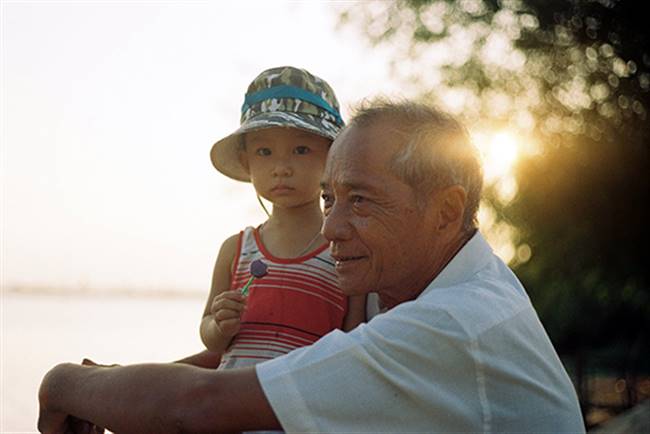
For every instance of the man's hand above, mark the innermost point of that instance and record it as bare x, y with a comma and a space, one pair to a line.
82, 427
227, 308
53, 421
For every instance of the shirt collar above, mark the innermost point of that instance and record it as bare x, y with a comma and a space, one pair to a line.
473, 256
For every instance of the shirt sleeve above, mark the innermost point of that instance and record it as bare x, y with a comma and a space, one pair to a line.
380, 377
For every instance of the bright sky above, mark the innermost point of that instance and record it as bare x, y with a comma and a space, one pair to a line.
109, 110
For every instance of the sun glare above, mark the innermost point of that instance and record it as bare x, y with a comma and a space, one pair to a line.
500, 153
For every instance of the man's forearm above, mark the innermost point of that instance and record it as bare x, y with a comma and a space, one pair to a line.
127, 399
157, 398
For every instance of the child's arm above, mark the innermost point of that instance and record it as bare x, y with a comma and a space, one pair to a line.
356, 312
223, 308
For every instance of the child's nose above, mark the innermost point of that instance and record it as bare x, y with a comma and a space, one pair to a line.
282, 169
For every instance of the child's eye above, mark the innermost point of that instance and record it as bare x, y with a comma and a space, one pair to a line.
301, 150
263, 152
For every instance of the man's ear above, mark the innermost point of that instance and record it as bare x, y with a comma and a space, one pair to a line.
451, 208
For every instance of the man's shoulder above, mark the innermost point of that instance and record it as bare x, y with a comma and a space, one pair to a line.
491, 296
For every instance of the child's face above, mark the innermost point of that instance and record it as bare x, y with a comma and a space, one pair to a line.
285, 164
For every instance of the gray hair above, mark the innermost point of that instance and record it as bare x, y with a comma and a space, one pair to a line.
437, 151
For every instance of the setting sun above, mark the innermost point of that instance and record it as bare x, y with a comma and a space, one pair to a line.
500, 152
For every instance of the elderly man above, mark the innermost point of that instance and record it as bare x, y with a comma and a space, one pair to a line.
458, 348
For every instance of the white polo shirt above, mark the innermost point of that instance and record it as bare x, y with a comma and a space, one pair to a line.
468, 355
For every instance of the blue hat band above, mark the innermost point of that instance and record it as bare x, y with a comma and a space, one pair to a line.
287, 91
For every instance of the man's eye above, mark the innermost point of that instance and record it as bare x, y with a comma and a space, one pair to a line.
328, 200
356, 199
301, 150
263, 152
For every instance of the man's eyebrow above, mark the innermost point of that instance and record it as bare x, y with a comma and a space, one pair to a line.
351, 185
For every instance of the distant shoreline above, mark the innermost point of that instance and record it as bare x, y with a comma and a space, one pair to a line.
87, 292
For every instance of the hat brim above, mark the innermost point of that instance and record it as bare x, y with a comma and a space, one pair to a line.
225, 152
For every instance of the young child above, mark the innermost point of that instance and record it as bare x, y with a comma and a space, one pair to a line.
288, 121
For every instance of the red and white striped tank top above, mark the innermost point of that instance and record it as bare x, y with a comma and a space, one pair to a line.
293, 305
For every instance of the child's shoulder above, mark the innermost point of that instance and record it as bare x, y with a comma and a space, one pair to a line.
230, 245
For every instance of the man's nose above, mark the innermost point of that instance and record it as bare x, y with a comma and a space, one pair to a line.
336, 225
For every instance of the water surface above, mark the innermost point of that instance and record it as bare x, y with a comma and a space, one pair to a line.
39, 331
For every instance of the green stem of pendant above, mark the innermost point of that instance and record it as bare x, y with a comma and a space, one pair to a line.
244, 290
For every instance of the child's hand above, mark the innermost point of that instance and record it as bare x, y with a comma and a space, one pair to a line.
227, 308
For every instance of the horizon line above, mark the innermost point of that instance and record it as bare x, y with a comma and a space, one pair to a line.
99, 292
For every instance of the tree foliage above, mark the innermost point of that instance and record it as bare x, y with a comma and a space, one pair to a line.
572, 76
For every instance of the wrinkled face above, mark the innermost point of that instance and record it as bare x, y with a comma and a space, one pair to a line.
285, 164
380, 238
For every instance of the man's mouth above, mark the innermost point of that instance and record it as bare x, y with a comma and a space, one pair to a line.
341, 261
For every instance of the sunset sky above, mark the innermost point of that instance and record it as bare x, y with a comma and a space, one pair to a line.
109, 112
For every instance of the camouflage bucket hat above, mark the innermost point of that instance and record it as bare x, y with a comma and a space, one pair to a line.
280, 97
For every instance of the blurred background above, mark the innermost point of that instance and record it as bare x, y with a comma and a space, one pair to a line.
112, 215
